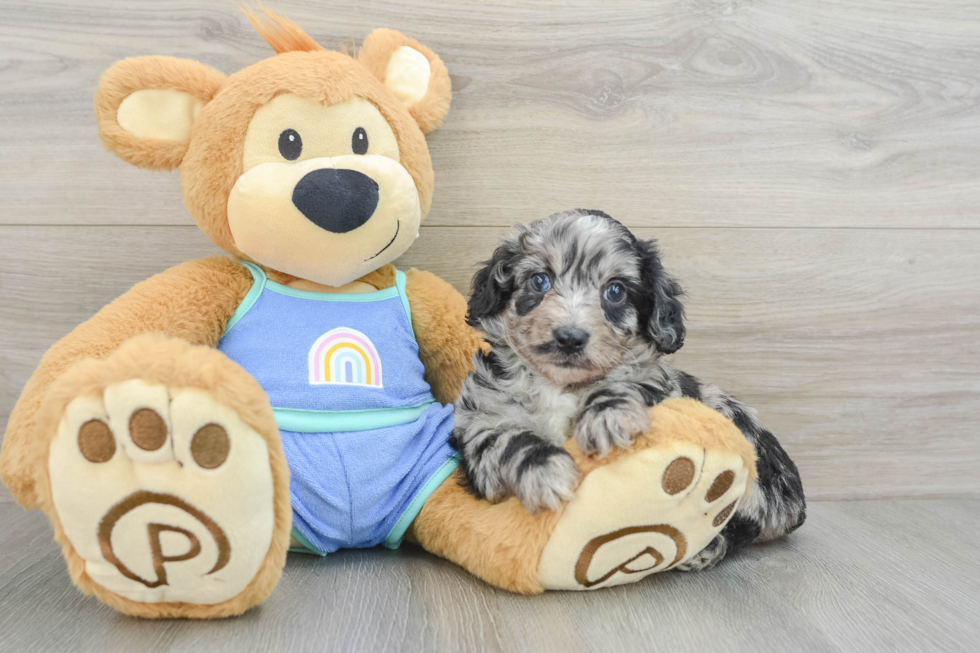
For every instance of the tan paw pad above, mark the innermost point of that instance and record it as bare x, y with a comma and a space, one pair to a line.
96, 442
139, 415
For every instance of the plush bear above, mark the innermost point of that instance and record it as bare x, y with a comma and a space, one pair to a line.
298, 393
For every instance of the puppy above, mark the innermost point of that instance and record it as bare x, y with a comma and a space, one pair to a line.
579, 315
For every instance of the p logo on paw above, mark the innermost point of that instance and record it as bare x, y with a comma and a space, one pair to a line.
646, 513
161, 512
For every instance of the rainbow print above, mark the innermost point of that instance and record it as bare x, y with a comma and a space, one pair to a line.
345, 356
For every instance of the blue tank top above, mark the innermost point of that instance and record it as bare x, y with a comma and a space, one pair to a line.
320, 356
343, 375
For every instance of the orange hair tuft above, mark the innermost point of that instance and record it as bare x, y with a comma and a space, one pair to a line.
281, 33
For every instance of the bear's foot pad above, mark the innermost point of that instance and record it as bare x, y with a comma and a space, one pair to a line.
164, 493
643, 514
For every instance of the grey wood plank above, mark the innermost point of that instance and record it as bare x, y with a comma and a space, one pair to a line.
859, 347
860, 576
685, 113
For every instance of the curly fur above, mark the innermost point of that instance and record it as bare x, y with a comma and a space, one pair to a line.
533, 391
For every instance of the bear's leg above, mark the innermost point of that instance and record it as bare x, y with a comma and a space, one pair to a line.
162, 472
636, 512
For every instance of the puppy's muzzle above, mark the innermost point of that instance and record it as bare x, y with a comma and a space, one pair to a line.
336, 199
570, 340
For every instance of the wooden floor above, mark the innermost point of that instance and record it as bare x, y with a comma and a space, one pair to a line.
810, 168
864, 576
812, 171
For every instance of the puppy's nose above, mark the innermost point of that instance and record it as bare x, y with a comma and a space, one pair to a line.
336, 199
570, 340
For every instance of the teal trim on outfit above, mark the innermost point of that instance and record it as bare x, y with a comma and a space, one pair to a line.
262, 282
372, 296
319, 421
306, 546
397, 533
259, 282
400, 283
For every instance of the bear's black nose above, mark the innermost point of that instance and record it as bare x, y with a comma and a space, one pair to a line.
338, 200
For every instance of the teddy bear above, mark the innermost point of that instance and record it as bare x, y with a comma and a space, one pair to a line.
298, 392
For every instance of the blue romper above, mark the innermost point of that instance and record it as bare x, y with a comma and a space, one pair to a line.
365, 440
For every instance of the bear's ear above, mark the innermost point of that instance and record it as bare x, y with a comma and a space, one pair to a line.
412, 72
146, 106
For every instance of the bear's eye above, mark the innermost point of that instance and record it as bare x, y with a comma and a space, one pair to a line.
290, 145
359, 141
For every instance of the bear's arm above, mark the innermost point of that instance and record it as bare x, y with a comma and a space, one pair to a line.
192, 301
446, 342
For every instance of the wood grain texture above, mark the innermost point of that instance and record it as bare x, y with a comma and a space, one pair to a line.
860, 576
859, 347
686, 113
811, 171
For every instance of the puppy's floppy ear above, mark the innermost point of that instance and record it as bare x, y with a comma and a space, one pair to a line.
662, 312
412, 72
146, 106
494, 283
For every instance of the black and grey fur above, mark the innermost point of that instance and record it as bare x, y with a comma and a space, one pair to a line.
579, 314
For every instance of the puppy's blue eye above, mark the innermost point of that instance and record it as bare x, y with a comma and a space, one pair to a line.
615, 293
541, 282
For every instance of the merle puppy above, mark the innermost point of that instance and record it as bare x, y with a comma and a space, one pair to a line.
579, 315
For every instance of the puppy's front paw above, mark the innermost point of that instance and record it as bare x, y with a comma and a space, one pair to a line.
544, 484
603, 425
708, 557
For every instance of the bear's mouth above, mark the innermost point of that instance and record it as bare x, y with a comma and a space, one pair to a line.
398, 225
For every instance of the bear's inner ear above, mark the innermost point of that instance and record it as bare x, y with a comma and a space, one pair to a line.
412, 72
407, 75
146, 108
163, 114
